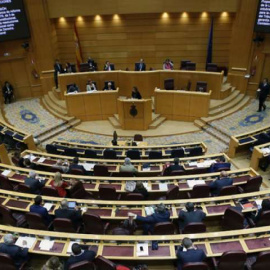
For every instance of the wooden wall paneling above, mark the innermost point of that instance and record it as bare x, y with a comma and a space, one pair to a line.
199, 105
92, 105
75, 105
164, 104
108, 103
181, 105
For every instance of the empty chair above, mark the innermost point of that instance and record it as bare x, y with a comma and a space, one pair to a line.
173, 193
138, 138
84, 265
191, 66
108, 193
104, 264
7, 263
196, 151
169, 84
252, 185
264, 219
78, 191
52, 149
101, 170
183, 64
177, 173
233, 260
163, 228
5, 183
49, 191
199, 191
201, 86
262, 262
229, 190
64, 225
12, 219
211, 67
24, 188
88, 153
155, 155
35, 221
71, 152
194, 227
196, 266
134, 154
109, 154
93, 224
134, 197
232, 220
177, 153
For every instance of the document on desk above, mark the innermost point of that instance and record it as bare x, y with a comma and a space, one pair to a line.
46, 245
48, 206
146, 169
149, 210
192, 183
146, 185
31, 157
88, 166
163, 187
193, 164
142, 249
6, 172
29, 241
41, 160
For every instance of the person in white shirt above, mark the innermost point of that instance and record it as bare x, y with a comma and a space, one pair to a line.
90, 86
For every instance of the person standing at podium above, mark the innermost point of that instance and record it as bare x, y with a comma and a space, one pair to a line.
135, 93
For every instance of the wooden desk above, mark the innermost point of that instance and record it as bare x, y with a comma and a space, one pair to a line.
258, 154
182, 105
97, 105
135, 114
146, 81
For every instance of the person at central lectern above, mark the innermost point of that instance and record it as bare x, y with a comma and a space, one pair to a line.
135, 93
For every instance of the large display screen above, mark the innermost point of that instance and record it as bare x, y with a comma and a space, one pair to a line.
13, 21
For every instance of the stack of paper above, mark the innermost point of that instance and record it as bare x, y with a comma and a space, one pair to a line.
46, 245
146, 185
41, 160
149, 210
6, 172
88, 166
142, 249
201, 165
48, 206
192, 183
29, 241
163, 187
192, 164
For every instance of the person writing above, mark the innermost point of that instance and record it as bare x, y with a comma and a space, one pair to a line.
263, 91
90, 86
135, 93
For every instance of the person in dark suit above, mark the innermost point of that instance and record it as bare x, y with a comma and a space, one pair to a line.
218, 184
39, 209
141, 189
75, 165
75, 215
92, 64
109, 86
220, 164
135, 93
35, 184
263, 91
187, 253
161, 215
189, 215
18, 255
108, 66
28, 164
140, 66
79, 255
7, 92
73, 88
176, 166
57, 69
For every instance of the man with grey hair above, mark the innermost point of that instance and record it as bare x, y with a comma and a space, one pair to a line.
35, 184
218, 184
18, 255
161, 215
74, 215
187, 253
128, 167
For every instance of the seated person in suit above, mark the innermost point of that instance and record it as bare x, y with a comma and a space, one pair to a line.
59, 185
79, 255
265, 207
28, 164
109, 86
189, 215
218, 184
108, 66
92, 64
7, 92
35, 184
75, 215
39, 209
128, 167
176, 166
141, 189
73, 88
135, 93
220, 163
90, 86
18, 160
140, 66
63, 166
187, 253
75, 165
168, 64
53, 264
161, 215
18, 255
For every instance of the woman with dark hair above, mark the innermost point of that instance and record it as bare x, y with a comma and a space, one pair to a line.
7, 92
135, 93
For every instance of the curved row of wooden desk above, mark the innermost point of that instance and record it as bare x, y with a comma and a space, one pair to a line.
259, 152
121, 150
145, 167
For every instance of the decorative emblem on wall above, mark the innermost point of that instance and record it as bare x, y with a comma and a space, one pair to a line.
133, 110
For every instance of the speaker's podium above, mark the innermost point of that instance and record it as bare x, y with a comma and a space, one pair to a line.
135, 114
